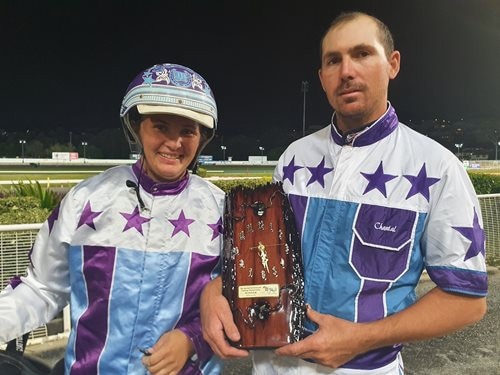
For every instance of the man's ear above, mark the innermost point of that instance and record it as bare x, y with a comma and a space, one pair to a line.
394, 63
321, 79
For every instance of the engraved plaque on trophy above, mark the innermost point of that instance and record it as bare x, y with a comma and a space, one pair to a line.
262, 269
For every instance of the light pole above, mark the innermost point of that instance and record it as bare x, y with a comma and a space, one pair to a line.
223, 148
261, 154
458, 146
305, 88
84, 144
22, 142
496, 150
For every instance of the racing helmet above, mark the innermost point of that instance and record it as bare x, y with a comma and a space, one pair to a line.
169, 88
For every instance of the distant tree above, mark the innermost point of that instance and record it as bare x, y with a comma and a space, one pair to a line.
111, 143
9, 150
60, 147
93, 152
35, 149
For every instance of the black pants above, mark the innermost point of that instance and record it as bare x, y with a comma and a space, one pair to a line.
14, 362
58, 368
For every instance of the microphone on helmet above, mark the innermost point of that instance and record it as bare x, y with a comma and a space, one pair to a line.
131, 184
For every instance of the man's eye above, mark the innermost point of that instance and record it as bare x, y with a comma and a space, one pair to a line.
363, 53
333, 61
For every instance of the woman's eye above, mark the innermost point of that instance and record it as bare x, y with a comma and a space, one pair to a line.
188, 132
160, 127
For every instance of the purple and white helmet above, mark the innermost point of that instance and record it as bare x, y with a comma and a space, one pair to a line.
169, 88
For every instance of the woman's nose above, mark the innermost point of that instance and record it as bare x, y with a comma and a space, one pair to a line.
172, 140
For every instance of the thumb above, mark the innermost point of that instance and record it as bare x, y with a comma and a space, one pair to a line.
231, 331
228, 325
313, 315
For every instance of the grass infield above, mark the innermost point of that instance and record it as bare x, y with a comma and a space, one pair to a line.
76, 172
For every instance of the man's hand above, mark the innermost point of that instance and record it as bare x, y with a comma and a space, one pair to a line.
217, 322
169, 354
334, 343
337, 341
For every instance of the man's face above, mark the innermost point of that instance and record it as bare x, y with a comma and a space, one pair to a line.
355, 72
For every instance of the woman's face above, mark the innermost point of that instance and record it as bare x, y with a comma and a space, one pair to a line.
169, 144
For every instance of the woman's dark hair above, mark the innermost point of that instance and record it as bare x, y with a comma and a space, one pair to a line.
135, 119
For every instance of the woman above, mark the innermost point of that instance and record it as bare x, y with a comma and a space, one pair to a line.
131, 248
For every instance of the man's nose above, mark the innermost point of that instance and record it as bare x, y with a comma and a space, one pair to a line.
346, 68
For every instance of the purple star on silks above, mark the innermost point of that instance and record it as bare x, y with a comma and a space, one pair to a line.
181, 224
318, 173
420, 183
377, 180
475, 234
217, 228
134, 220
289, 170
88, 216
54, 215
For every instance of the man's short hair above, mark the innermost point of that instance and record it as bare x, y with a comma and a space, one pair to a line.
384, 34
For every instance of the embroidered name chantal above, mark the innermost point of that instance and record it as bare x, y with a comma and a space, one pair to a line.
386, 228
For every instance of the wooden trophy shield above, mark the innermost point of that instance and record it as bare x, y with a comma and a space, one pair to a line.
262, 269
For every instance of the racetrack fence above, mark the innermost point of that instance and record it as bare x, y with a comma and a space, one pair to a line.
16, 242
490, 209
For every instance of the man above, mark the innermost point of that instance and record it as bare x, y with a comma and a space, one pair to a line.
376, 203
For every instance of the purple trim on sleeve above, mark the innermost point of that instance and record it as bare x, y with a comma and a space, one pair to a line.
92, 327
202, 349
469, 282
201, 268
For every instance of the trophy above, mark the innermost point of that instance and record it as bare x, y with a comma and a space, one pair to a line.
262, 271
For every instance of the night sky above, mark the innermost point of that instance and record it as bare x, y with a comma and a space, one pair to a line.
67, 63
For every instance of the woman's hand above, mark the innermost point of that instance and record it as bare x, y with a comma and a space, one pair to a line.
169, 354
